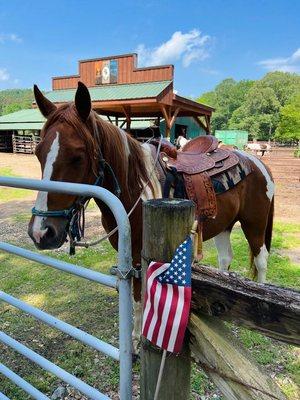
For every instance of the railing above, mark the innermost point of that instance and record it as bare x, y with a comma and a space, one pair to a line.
122, 283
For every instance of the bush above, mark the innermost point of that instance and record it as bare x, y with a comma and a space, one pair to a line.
297, 153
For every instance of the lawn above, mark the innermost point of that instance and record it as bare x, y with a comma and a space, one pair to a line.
94, 308
9, 194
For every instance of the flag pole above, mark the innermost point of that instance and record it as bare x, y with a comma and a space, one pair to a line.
161, 370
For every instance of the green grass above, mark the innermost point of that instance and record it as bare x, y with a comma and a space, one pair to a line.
94, 309
10, 194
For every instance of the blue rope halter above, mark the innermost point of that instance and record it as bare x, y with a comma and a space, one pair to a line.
75, 214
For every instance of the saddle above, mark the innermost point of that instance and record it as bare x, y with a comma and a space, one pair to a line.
198, 161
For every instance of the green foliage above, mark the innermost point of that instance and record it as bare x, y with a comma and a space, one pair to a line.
226, 98
15, 99
289, 121
259, 112
255, 106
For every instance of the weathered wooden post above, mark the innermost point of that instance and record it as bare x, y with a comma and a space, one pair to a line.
165, 225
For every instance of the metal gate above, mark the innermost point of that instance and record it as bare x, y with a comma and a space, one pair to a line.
122, 283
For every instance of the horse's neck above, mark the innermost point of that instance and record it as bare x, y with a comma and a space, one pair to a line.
150, 189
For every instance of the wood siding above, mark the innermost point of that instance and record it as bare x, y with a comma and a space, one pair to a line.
127, 73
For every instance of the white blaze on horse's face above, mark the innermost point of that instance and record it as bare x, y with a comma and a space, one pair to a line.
42, 197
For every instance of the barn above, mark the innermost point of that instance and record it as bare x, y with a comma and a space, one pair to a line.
140, 100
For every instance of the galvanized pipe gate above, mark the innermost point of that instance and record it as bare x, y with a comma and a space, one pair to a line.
122, 283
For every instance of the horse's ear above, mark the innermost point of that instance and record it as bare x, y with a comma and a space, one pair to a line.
45, 106
83, 101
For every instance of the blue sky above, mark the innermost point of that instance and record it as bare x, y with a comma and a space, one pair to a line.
207, 41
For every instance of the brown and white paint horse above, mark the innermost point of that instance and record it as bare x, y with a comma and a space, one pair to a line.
73, 138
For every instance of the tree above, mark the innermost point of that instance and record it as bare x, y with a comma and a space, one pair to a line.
289, 121
284, 84
252, 105
14, 99
12, 107
258, 114
226, 98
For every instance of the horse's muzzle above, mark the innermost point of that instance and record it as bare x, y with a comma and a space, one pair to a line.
51, 234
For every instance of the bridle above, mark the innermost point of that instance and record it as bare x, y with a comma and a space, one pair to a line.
75, 214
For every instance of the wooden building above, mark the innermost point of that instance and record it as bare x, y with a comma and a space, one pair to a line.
20, 131
140, 100
122, 91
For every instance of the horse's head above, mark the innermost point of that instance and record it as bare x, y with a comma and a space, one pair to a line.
66, 153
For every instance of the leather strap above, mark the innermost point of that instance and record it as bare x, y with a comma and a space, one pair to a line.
200, 189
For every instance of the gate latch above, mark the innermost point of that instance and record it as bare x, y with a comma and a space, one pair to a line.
132, 273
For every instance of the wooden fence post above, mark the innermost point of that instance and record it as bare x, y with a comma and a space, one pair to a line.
165, 225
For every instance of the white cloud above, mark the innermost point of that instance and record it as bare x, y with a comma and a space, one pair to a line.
284, 64
187, 47
4, 75
10, 37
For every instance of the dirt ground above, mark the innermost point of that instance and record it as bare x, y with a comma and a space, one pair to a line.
285, 169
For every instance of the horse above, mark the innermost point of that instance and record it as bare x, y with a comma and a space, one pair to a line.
78, 146
259, 148
181, 141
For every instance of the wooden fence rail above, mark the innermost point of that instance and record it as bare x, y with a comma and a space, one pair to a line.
269, 309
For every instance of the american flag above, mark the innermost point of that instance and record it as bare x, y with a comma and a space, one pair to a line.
168, 298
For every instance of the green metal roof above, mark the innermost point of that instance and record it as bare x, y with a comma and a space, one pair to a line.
30, 119
113, 92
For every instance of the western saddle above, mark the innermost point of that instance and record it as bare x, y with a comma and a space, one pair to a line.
198, 161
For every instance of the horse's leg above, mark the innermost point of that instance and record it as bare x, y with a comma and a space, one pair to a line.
137, 325
255, 235
223, 245
137, 310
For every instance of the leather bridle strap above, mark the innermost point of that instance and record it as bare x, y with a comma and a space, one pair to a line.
75, 214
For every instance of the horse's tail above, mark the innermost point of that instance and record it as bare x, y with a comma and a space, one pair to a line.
269, 228
268, 239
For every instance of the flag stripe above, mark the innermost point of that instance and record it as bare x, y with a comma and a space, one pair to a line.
151, 309
154, 270
165, 315
156, 296
177, 318
170, 318
160, 310
184, 319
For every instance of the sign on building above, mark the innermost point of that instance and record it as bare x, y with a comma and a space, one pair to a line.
106, 72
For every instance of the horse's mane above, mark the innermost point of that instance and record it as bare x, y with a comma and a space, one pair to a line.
100, 135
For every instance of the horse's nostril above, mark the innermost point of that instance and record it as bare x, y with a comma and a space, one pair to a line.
50, 232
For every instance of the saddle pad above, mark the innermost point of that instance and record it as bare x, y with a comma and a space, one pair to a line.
229, 179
